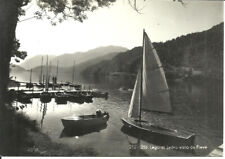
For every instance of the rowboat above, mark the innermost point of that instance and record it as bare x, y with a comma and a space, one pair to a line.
85, 121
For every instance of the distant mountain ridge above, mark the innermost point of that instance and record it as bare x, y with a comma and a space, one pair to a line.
200, 51
16, 68
35, 61
107, 52
67, 60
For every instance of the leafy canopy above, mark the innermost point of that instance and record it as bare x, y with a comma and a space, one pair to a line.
16, 53
60, 10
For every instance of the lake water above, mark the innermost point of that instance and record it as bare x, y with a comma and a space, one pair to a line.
198, 108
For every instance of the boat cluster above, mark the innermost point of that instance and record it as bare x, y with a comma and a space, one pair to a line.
61, 96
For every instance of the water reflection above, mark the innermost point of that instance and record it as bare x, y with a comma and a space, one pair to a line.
44, 105
161, 142
135, 148
80, 132
198, 108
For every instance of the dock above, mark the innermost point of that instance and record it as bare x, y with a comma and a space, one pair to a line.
61, 95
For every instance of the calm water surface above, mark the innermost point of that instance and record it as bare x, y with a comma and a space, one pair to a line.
197, 108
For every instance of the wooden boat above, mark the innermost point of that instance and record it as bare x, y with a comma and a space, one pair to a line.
75, 97
29, 85
23, 97
61, 98
87, 95
151, 93
40, 85
85, 121
45, 97
75, 86
98, 94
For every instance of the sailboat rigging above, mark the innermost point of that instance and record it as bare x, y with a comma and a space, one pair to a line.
73, 71
151, 93
40, 79
47, 76
45, 97
30, 84
57, 71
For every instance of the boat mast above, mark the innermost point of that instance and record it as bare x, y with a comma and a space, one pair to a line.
40, 81
31, 76
141, 89
73, 73
57, 69
46, 82
74, 70
56, 78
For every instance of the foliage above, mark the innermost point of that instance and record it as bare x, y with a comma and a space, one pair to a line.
201, 51
16, 53
60, 10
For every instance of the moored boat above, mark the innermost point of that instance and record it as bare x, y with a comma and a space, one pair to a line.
61, 98
45, 97
87, 96
75, 97
98, 94
23, 98
85, 121
29, 85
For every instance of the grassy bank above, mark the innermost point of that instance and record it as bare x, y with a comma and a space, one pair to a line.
21, 136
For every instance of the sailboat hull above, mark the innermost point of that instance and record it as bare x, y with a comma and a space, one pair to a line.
171, 136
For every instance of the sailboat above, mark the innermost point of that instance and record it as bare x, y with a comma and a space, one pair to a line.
45, 97
30, 84
41, 83
151, 93
75, 86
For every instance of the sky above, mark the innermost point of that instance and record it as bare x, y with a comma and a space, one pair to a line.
118, 25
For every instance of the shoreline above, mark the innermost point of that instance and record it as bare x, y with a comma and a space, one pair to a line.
21, 136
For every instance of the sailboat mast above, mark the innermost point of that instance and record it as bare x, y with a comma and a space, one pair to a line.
50, 69
57, 69
74, 70
141, 87
46, 82
40, 81
73, 73
31, 76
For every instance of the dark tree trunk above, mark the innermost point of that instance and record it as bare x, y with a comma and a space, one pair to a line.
8, 22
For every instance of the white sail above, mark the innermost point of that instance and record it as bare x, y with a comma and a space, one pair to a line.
134, 109
155, 92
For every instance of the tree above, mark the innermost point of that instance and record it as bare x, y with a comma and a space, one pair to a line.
55, 10
18, 55
58, 10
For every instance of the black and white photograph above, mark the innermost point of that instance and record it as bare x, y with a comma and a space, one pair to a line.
111, 78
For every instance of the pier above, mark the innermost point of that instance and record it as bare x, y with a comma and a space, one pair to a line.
65, 92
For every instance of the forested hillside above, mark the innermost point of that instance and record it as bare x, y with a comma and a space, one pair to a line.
201, 51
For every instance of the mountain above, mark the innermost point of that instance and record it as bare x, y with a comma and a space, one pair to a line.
124, 62
101, 53
16, 68
202, 51
67, 60
35, 61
